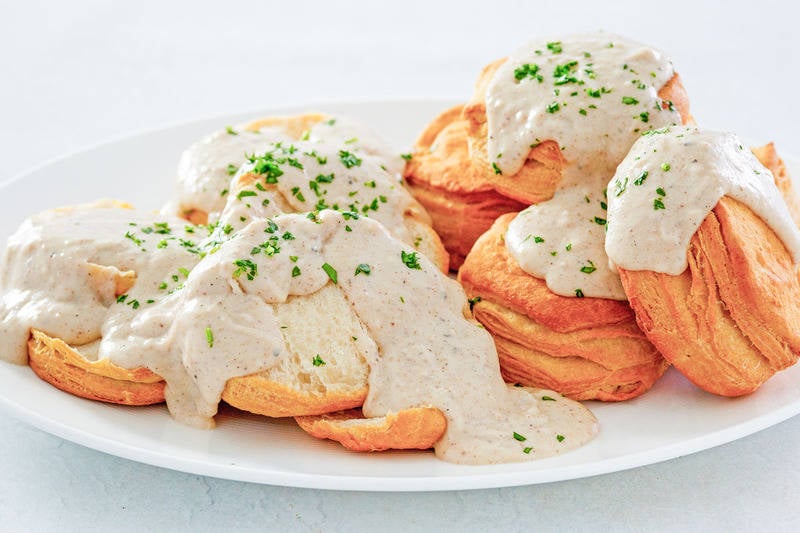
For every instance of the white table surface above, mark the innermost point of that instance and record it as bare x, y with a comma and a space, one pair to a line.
73, 74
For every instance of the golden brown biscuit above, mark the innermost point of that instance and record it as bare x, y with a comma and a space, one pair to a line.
454, 190
66, 368
583, 348
732, 318
770, 159
539, 177
410, 429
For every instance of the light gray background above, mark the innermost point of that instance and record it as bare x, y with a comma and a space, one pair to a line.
72, 74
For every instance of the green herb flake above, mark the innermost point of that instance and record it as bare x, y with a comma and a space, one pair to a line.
527, 450
560, 438
519, 437
210, 337
666, 167
658, 204
538, 239
232, 169
407, 157
348, 159
578, 293
363, 268
661, 192
528, 70
295, 271
553, 107
230, 131
641, 178
245, 266
318, 361
588, 269
600, 221
473, 301
331, 272
548, 399
629, 100
496, 168
410, 260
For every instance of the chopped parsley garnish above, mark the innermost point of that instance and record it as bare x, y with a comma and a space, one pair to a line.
318, 361
410, 260
555, 47
210, 337
658, 204
331, 272
661, 192
641, 178
295, 271
644, 116
133, 238
496, 168
528, 70
578, 293
563, 74
223, 192
230, 131
665, 167
407, 157
568, 247
268, 166
629, 100
588, 269
363, 268
232, 169
620, 186
519, 437
527, 450
560, 438
162, 286
348, 159
297, 194
553, 107
538, 239
600, 221
245, 194
473, 301
245, 266
548, 399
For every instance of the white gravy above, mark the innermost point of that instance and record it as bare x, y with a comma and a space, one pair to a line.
307, 176
206, 167
594, 94
667, 185
219, 322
